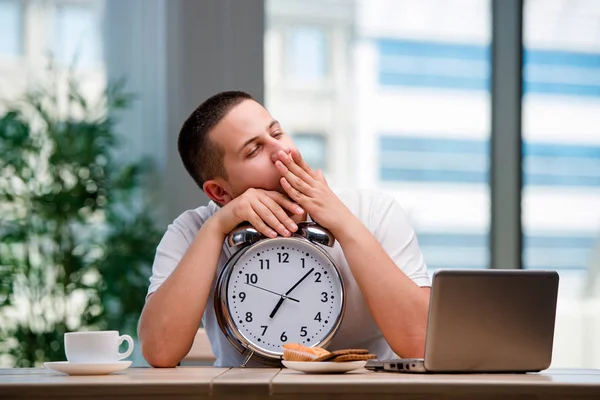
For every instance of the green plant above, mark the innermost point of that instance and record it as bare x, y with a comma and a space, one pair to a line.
76, 238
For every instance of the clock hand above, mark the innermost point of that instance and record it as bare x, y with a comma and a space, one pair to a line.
280, 302
270, 291
300, 281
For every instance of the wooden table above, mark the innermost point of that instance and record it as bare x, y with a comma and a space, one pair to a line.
232, 383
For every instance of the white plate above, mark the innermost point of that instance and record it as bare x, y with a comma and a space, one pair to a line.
324, 367
87, 368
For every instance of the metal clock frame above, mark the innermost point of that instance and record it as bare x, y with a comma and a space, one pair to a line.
246, 235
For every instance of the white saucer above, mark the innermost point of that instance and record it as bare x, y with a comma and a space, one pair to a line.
324, 367
87, 368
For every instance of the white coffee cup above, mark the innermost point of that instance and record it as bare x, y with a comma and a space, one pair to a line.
96, 347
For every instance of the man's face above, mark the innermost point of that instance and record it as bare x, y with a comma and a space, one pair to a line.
250, 137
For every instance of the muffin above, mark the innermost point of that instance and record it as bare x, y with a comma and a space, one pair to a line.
299, 352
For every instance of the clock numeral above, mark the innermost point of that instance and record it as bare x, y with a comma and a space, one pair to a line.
318, 317
302, 259
242, 296
264, 328
251, 278
318, 274
248, 317
303, 331
283, 257
325, 297
283, 337
264, 263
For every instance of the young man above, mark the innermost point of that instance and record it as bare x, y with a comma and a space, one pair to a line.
251, 170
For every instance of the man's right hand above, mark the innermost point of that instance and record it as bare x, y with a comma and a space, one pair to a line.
264, 209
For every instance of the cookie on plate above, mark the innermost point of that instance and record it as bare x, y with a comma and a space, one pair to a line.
341, 352
354, 357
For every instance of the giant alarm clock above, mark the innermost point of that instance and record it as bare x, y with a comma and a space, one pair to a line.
279, 290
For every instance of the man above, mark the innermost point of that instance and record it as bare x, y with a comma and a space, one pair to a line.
250, 169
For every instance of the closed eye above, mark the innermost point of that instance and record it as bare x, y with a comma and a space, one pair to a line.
253, 152
256, 149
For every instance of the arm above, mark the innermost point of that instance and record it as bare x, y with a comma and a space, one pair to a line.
398, 305
166, 328
172, 314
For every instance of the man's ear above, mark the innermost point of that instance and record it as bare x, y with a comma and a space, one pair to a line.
217, 191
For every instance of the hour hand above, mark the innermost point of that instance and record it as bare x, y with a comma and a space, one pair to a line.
279, 303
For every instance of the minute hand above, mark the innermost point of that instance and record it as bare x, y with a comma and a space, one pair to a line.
270, 291
280, 302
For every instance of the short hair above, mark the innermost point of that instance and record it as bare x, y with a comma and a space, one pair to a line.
202, 158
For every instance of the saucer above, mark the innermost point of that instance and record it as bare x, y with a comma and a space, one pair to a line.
87, 368
324, 367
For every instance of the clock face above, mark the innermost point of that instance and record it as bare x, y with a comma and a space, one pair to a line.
284, 290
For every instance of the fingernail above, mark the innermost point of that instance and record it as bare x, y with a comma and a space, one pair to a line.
273, 234
294, 226
299, 210
286, 232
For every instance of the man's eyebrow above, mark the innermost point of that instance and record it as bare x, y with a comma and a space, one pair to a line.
272, 124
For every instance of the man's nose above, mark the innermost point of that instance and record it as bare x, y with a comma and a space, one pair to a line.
276, 148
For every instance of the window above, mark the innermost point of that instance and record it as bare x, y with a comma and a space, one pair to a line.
423, 94
408, 110
561, 163
11, 32
307, 54
78, 37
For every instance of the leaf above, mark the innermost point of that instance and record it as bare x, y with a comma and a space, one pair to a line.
73, 221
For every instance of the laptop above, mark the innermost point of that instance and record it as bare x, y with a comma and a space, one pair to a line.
488, 320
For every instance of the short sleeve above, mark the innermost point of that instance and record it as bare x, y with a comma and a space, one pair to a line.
172, 247
391, 227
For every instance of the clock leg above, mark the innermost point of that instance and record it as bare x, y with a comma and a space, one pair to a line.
248, 357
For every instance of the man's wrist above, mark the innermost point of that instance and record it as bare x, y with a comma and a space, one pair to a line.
213, 225
347, 226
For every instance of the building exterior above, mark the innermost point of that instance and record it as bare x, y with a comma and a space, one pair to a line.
418, 125
37, 33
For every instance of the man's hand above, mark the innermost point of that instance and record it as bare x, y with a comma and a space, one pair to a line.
311, 191
264, 209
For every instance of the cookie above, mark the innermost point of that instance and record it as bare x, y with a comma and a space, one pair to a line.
354, 357
341, 352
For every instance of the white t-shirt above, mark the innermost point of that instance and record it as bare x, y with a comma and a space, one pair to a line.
380, 213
